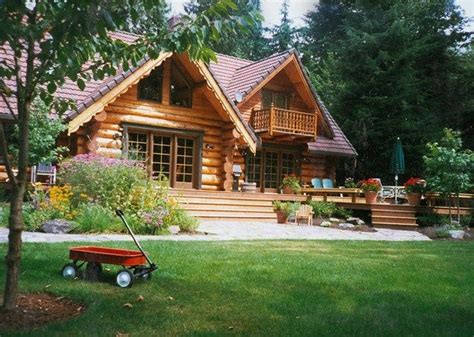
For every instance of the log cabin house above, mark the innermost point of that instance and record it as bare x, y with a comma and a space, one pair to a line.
194, 122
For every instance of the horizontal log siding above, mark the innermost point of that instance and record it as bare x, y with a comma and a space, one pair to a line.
201, 117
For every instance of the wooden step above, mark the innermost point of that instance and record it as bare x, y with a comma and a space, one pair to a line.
232, 215
393, 207
228, 208
395, 225
395, 220
206, 201
394, 213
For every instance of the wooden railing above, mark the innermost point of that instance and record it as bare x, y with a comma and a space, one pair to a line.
280, 121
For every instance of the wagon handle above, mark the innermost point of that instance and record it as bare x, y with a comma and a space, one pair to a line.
121, 215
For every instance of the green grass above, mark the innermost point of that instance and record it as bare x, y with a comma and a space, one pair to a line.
271, 288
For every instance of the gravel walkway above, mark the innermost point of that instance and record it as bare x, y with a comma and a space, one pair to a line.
229, 230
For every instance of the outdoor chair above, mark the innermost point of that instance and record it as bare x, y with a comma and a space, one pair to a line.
44, 170
304, 212
317, 183
328, 183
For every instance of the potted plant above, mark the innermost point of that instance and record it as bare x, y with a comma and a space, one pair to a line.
282, 210
350, 183
290, 184
370, 187
414, 187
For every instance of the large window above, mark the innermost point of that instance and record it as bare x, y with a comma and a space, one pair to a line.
269, 166
174, 156
279, 99
151, 87
181, 91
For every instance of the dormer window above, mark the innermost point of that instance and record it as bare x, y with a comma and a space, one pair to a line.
181, 90
279, 99
151, 87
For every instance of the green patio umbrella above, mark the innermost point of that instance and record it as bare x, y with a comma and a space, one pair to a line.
397, 163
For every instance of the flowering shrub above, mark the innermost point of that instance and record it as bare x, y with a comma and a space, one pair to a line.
415, 185
111, 182
153, 220
370, 185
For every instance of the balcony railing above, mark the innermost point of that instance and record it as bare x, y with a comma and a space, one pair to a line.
280, 121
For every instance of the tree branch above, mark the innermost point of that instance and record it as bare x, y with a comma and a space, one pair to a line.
4, 154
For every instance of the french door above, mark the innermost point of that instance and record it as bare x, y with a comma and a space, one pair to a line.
268, 168
170, 155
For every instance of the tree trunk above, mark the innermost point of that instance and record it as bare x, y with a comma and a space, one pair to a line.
15, 223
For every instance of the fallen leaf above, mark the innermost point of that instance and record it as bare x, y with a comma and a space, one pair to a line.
230, 328
47, 286
128, 305
119, 334
108, 269
140, 298
170, 298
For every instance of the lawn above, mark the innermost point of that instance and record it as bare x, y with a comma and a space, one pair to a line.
271, 288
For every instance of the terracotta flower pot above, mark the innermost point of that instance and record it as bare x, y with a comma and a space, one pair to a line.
370, 197
287, 190
414, 198
281, 217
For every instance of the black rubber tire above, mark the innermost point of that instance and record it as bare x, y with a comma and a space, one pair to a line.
67, 273
124, 278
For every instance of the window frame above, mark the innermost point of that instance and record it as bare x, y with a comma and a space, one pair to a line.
141, 82
174, 66
197, 136
273, 95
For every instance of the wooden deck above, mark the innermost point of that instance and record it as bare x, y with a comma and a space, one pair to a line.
238, 206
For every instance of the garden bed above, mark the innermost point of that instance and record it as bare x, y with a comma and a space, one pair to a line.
36, 310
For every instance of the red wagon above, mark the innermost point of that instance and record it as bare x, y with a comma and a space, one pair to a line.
134, 262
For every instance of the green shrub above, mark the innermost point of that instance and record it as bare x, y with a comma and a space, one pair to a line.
94, 218
322, 209
179, 217
4, 214
429, 220
33, 218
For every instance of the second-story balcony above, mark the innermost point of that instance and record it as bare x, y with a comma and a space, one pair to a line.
275, 121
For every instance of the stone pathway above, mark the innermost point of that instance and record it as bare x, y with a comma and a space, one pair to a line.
231, 230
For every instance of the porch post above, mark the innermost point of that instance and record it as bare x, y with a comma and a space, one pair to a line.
270, 120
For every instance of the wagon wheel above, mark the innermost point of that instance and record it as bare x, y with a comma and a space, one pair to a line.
93, 271
69, 271
140, 270
124, 278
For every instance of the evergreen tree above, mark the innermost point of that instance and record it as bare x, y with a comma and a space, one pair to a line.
284, 35
389, 69
250, 44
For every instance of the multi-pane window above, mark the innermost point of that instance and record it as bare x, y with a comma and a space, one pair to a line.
288, 161
254, 165
184, 160
138, 146
271, 170
165, 154
268, 167
161, 156
151, 87
181, 91
280, 100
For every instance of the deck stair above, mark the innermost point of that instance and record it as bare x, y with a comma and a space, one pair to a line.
235, 206
393, 216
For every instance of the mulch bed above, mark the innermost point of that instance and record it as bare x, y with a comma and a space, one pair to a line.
36, 310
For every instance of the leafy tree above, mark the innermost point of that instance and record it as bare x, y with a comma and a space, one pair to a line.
449, 168
53, 40
44, 132
283, 35
148, 20
250, 44
388, 69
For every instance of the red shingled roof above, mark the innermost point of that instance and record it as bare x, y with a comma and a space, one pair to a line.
232, 74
